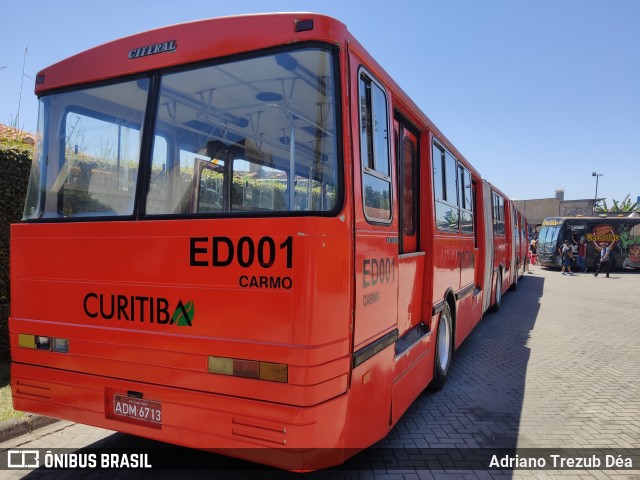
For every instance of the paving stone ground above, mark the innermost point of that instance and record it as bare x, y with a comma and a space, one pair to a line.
558, 367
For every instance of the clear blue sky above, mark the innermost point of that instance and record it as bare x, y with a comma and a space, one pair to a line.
536, 94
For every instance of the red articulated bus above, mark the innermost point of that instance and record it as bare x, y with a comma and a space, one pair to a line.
519, 245
241, 235
510, 243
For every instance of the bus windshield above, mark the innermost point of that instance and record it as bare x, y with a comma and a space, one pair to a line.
548, 239
256, 135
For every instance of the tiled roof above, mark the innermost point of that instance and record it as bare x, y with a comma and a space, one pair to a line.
13, 133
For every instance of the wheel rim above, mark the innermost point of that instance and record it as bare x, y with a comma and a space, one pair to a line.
499, 289
444, 338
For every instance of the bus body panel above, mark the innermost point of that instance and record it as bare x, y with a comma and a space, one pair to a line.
146, 276
185, 43
367, 420
446, 265
416, 367
376, 288
410, 290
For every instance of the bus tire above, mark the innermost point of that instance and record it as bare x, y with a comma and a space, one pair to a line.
514, 285
498, 301
444, 350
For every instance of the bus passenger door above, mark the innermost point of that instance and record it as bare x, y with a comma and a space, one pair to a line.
410, 259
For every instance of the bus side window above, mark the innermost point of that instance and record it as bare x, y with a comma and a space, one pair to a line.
466, 200
374, 147
498, 215
445, 185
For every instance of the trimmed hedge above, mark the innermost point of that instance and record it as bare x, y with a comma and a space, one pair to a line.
15, 165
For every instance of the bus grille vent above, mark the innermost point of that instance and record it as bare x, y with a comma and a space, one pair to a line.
258, 432
28, 389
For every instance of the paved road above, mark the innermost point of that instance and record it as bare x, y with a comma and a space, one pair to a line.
557, 367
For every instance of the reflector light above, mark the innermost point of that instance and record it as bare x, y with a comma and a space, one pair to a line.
246, 368
221, 365
39, 342
60, 345
276, 372
304, 25
237, 367
26, 341
43, 343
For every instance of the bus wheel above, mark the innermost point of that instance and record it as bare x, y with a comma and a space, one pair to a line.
496, 306
514, 285
444, 349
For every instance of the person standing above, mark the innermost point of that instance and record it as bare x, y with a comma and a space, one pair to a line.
567, 255
582, 253
532, 254
605, 260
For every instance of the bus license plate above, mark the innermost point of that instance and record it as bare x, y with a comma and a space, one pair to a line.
137, 409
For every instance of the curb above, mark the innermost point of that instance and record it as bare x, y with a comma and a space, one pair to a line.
16, 427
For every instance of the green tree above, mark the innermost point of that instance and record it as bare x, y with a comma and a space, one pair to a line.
15, 164
624, 206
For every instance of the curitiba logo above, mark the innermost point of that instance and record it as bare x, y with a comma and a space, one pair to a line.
183, 314
138, 308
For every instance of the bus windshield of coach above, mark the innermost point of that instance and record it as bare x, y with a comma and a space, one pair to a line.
250, 136
548, 239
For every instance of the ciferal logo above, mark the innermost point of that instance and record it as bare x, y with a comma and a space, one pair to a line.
162, 47
138, 308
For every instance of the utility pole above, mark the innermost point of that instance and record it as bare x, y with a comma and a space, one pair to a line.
24, 62
595, 199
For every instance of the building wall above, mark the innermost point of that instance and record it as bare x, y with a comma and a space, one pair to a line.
537, 210
572, 208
